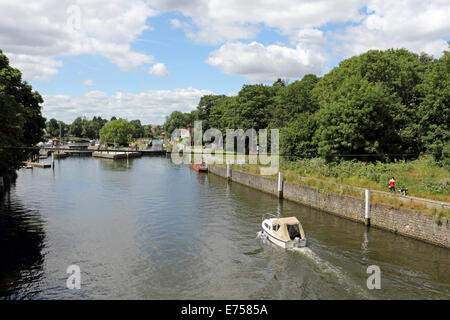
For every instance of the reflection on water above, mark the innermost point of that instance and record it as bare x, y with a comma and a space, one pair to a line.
22, 250
148, 229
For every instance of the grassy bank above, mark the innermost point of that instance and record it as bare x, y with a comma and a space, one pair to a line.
423, 177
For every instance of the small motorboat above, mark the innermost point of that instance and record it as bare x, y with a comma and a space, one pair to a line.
284, 232
199, 167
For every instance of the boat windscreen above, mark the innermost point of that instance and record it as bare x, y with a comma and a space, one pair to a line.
293, 231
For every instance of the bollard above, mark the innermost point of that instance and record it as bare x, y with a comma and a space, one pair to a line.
367, 211
228, 171
280, 185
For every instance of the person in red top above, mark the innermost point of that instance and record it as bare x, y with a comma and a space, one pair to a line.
392, 185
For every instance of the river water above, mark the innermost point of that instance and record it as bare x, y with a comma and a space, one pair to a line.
149, 229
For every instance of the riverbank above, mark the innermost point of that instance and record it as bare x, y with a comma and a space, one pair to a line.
434, 229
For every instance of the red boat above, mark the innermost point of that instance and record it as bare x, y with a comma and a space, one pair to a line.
198, 167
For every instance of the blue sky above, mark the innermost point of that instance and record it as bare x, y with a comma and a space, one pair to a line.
184, 59
145, 59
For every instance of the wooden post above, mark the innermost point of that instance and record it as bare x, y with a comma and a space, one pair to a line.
280, 185
228, 171
2, 184
53, 160
367, 211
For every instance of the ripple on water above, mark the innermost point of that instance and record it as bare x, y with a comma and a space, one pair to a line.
148, 229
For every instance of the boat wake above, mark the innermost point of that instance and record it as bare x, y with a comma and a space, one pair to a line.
327, 267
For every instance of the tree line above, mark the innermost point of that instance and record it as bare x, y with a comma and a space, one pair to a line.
378, 105
92, 129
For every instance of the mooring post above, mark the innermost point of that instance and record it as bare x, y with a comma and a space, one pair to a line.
53, 160
228, 171
2, 185
280, 185
367, 211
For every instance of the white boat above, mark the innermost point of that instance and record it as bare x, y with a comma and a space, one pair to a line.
284, 232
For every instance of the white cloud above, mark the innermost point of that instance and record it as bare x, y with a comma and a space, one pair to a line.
34, 33
159, 69
419, 26
318, 31
150, 106
88, 83
215, 21
260, 63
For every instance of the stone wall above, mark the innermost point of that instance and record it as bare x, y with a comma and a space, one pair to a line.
403, 221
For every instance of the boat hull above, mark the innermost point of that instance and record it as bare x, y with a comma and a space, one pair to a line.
198, 168
281, 243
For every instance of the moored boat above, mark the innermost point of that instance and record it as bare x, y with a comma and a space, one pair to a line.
198, 167
284, 232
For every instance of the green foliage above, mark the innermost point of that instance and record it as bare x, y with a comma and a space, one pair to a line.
423, 177
356, 120
382, 85
138, 131
52, 127
446, 156
204, 108
20, 116
294, 99
178, 120
76, 128
434, 109
296, 137
83, 128
125, 131
381, 105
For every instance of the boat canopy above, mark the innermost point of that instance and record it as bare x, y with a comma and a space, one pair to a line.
287, 229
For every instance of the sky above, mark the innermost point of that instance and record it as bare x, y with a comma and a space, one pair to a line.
140, 59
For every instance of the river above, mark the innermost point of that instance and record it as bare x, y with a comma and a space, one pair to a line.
149, 229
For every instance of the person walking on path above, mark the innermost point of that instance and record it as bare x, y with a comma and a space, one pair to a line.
392, 185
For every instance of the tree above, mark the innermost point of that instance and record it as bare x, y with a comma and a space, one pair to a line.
138, 129
76, 128
64, 127
293, 100
395, 74
177, 120
204, 107
124, 132
434, 109
356, 121
254, 103
52, 127
90, 129
296, 138
20, 116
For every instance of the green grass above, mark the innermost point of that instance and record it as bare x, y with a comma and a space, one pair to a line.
424, 178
